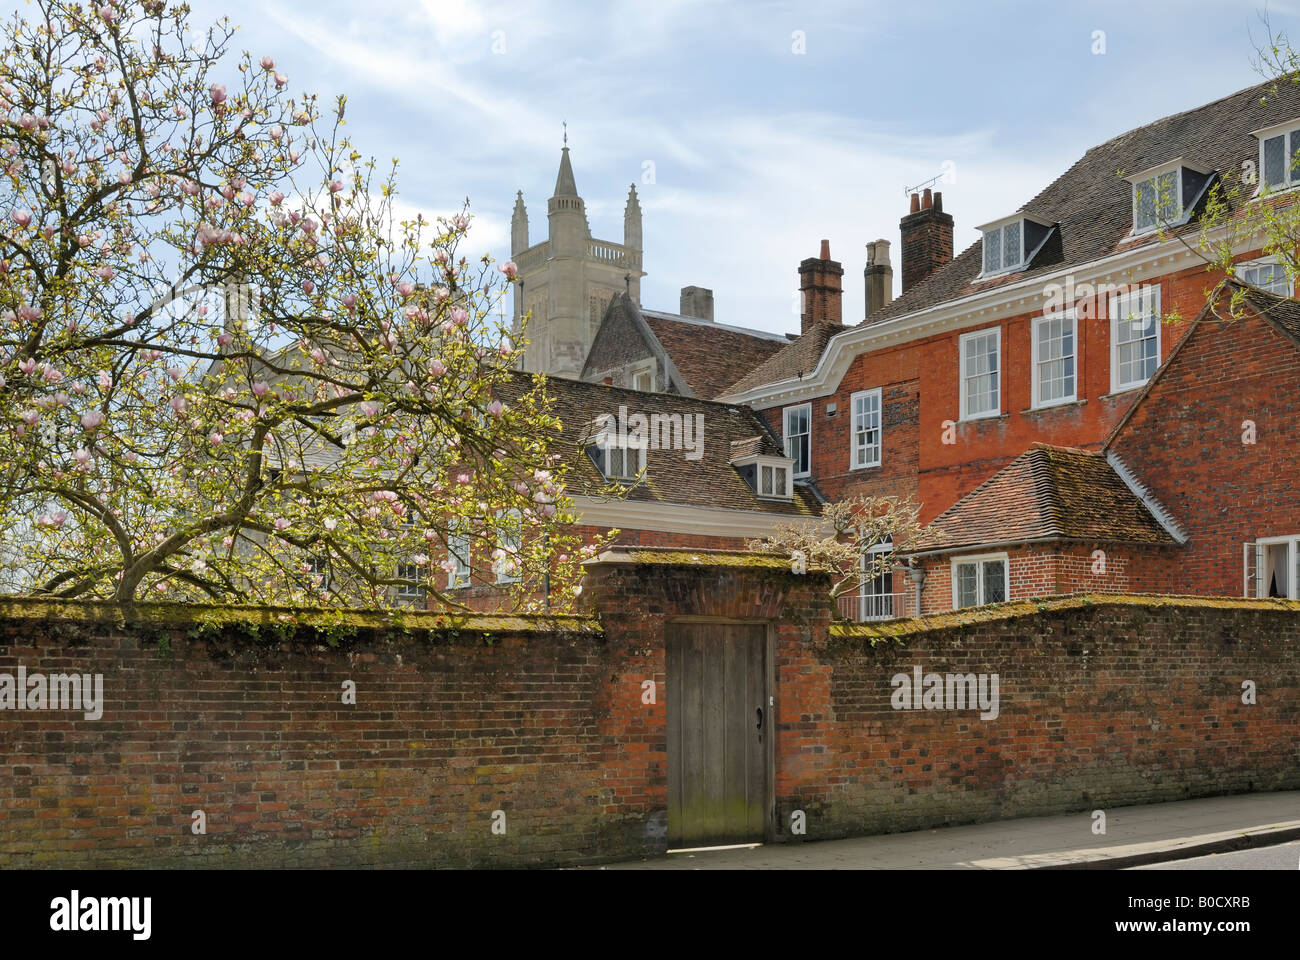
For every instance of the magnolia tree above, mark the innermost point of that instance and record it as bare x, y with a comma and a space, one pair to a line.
843, 541
225, 370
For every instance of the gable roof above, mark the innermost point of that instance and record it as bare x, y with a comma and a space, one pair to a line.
1047, 493
1091, 203
798, 357
671, 476
702, 357
1283, 313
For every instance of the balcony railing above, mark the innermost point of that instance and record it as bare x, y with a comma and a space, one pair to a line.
870, 607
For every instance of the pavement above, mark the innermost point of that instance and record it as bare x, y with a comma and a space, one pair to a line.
1134, 836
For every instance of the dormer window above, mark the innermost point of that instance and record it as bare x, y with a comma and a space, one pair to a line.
767, 476
617, 454
1279, 165
1010, 243
1165, 196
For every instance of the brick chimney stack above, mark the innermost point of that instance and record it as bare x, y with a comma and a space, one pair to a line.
879, 276
927, 238
821, 282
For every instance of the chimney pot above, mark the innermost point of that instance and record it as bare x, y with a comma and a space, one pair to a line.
822, 287
916, 203
878, 276
927, 239
609, 381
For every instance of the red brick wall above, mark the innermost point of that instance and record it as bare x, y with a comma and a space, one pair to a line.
921, 384
1185, 444
1101, 703
1044, 570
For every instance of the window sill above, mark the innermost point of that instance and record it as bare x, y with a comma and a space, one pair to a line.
982, 417
1033, 411
1124, 391
864, 466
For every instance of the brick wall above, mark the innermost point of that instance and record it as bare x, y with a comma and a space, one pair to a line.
1102, 701
1185, 443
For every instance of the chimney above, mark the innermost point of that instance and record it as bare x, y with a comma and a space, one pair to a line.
927, 238
879, 276
697, 302
821, 283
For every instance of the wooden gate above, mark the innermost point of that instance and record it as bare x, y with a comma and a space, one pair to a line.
718, 733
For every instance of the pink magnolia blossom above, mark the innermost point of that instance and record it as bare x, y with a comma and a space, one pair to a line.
81, 455
104, 273
52, 374
224, 339
276, 198
107, 14
215, 438
27, 366
261, 389
349, 300
308, 287
267, 63
436, 369
505, 348
405, 289
509, 269
336, 186
460, 222
218, 93
281, 79
281, 523
459, 317
27, 121
318, 355
330, 523
496, 408
91, 420
105, 380
30, 417
21, 217
189, 188
178, 405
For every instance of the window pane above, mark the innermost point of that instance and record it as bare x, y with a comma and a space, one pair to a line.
995, 585
992, 250
766, 487
980, 362
1011, 244
1275, 161
1168, 204
967, 585
866, 430
1145, 216
1293, 171
1055, 370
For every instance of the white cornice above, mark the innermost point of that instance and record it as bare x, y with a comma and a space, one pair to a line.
1011, 299
680, 518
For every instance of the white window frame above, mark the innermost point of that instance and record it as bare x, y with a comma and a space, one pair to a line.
1118, 307
857, 447
1003, 266
1262, 262
1292, 543
497, 567
872, 605
1288, 130
459, 550
405, 591
1159, 222
629, 451
787, 469
980, 559
787, 436
1037, 402
646, 369
965, 338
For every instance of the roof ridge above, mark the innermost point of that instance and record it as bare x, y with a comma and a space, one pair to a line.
713, 325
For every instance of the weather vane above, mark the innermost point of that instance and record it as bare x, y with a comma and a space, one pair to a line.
565, 125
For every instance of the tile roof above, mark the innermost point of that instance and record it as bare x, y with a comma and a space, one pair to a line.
1047, 493
1093, 203
710, 356
671, 478
795, 359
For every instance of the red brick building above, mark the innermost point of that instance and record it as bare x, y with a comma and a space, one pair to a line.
1048, 331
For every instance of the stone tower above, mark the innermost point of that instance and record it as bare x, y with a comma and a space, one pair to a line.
566, 281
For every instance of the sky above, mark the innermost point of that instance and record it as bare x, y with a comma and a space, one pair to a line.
751, 130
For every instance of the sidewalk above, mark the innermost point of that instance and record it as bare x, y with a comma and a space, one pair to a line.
1134, 835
